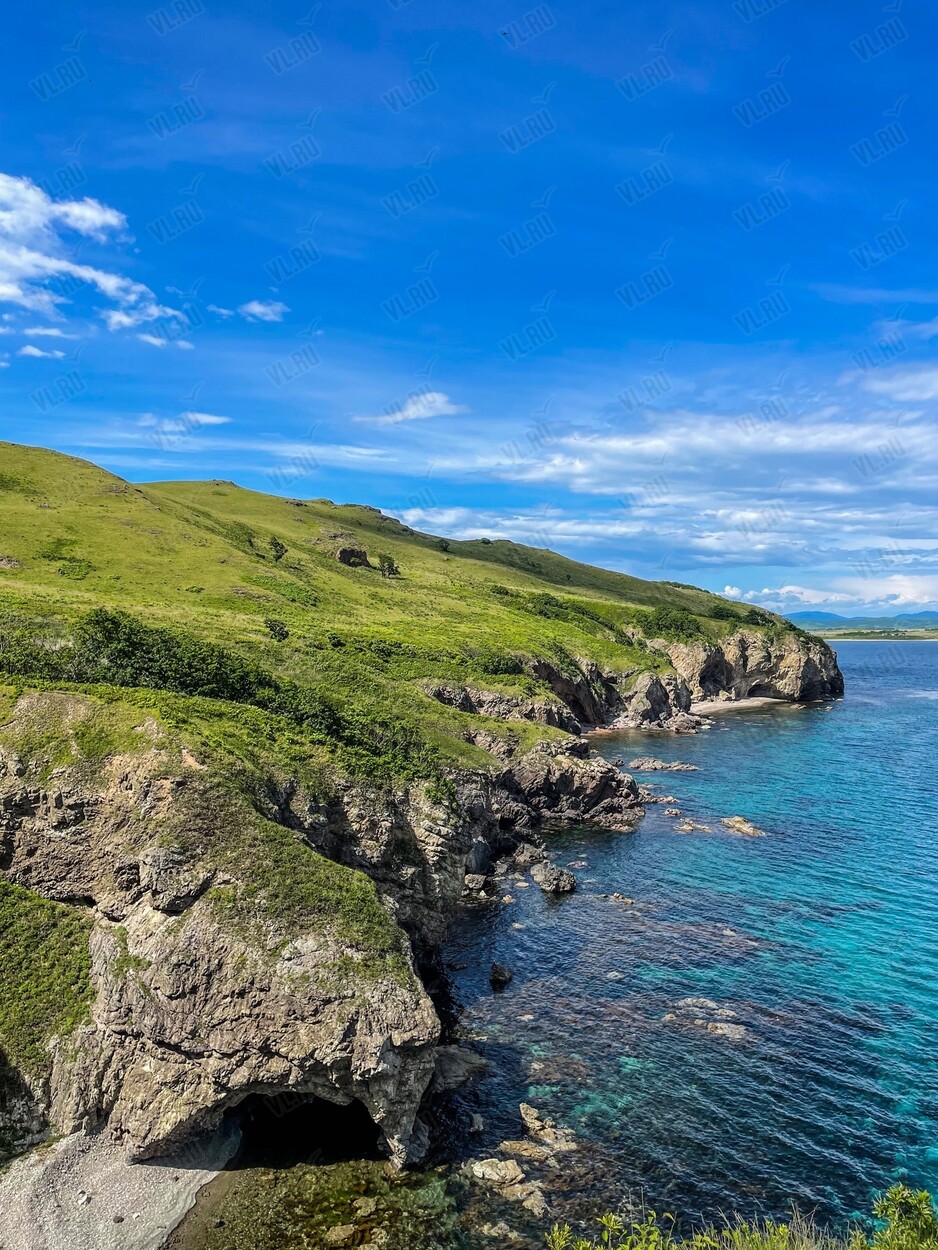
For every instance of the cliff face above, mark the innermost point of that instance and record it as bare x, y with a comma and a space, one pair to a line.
748, 663
198, 1004
751, 664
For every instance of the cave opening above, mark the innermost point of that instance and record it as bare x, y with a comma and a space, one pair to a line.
286, 1129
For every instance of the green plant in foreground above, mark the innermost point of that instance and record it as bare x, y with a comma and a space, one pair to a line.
907, 1221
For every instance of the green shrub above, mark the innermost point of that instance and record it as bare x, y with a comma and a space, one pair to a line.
277, 629
723, 612
675, 624
907, 1222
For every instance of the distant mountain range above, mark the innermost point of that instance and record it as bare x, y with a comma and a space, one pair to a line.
830, 620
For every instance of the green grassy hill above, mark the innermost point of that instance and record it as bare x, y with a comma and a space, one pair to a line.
258, 576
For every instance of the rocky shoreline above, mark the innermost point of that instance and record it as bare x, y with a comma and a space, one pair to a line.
190, 1018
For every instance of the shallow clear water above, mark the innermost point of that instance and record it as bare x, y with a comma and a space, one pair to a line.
822, 938
818, 941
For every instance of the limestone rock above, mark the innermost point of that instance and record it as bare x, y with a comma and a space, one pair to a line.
498, 1172
752, 664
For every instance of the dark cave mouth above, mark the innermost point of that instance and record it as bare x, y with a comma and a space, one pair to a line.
286, 1129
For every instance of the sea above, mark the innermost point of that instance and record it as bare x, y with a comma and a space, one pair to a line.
751, 1027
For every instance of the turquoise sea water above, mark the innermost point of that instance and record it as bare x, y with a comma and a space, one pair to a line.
821, 939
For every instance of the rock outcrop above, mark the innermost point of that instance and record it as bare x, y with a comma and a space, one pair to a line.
505, 707
565, 781
751, 664
199, 1004
783, 664
195, 1007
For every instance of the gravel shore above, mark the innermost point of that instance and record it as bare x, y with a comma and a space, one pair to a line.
82, 1194
707, 707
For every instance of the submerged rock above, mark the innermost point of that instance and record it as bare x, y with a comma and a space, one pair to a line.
456, 1066
745, 828
496, 1171
650, 765
499, 976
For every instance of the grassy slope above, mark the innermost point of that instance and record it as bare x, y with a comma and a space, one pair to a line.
200, 559
198, 556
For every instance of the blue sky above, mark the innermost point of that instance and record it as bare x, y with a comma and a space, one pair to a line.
653, 285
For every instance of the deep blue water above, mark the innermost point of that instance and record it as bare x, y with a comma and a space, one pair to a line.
821, 938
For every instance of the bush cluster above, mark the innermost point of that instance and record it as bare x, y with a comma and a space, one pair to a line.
675, 624
114, 648
906, 1220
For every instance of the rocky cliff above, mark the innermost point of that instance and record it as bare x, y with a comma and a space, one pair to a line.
212, 979
783, 664
750, 663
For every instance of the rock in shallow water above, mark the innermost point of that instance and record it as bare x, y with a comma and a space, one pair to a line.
649, 765
745, 828
553, 880
500, 976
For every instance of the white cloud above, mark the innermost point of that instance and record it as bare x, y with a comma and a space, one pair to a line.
926, 330
49, 332
263, 310
185, 423
732, 592
905, 384
418, 407
37, 352
203, 418
153, 341
35, 272
221, 312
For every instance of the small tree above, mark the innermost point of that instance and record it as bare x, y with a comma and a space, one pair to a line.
277, 629
442, 544
387, 566
278, 549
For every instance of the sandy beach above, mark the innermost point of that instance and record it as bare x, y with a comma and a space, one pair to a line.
81, 1194
707, 707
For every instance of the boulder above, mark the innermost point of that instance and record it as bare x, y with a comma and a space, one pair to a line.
353, 557
497, 1172
499, 976
553, 880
